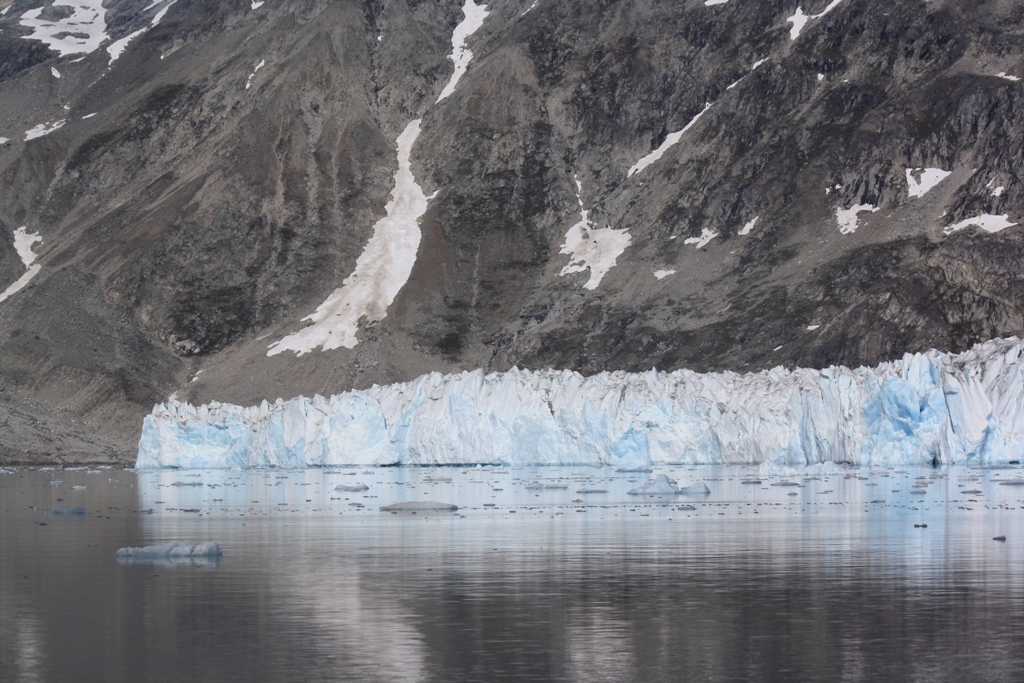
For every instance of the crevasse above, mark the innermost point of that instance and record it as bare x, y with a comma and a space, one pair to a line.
924, 408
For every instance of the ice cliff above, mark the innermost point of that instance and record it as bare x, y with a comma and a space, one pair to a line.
923, 408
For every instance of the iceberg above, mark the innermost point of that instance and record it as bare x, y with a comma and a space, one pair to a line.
925, 408
174, 549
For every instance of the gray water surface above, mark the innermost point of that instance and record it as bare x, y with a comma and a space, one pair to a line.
754, 584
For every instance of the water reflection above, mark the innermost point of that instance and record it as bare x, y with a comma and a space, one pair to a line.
520, 584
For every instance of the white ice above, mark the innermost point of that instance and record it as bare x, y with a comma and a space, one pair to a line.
847, 218
4, 141
256, 4
998, 191
661, 274
812, 328
172, 549
799, 19
43, 129
749, 226
929, 178
23, 241
590, 247
986, 222
474, 19
709, 3
83, 31
160, 15
671, 140
1003, 74
54, 72
706, 235
929, 407
381, 270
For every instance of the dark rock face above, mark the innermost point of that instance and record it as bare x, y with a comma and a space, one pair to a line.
208, 206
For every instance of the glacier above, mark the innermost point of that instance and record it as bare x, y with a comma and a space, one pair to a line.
925, 408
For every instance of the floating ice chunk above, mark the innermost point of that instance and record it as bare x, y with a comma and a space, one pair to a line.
929, 178
847, 218
419, 506
590, 247
986, 222
175, 550
68, 512
1012, 482
1003, 74
745, 230
474, 19
661, 485
43, 129
358, 486
669, 141
592, 491
706, 236
23, 241
699, 488
381, 270
82, 31
660, 274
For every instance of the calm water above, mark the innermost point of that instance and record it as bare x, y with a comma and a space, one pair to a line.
754, 584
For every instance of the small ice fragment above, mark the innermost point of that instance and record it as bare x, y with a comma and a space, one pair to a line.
659, 486
174, 549
419, 506
635, 470
592, 491
358, 486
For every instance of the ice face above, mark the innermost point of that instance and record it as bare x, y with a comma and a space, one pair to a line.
924, 408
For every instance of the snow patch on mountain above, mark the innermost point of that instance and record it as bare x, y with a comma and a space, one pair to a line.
662, 274
23, 241
745, 230
83, 31
590, 247
847, 218
986, 222
474, 19
924, 408
670, 140
706, 235
799, 19
248, 82
43, 129
921, 180
117, 48
381, 270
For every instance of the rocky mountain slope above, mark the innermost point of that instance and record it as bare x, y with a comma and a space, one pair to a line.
442, 185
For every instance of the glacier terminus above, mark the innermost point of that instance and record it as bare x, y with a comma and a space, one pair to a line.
926, 408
